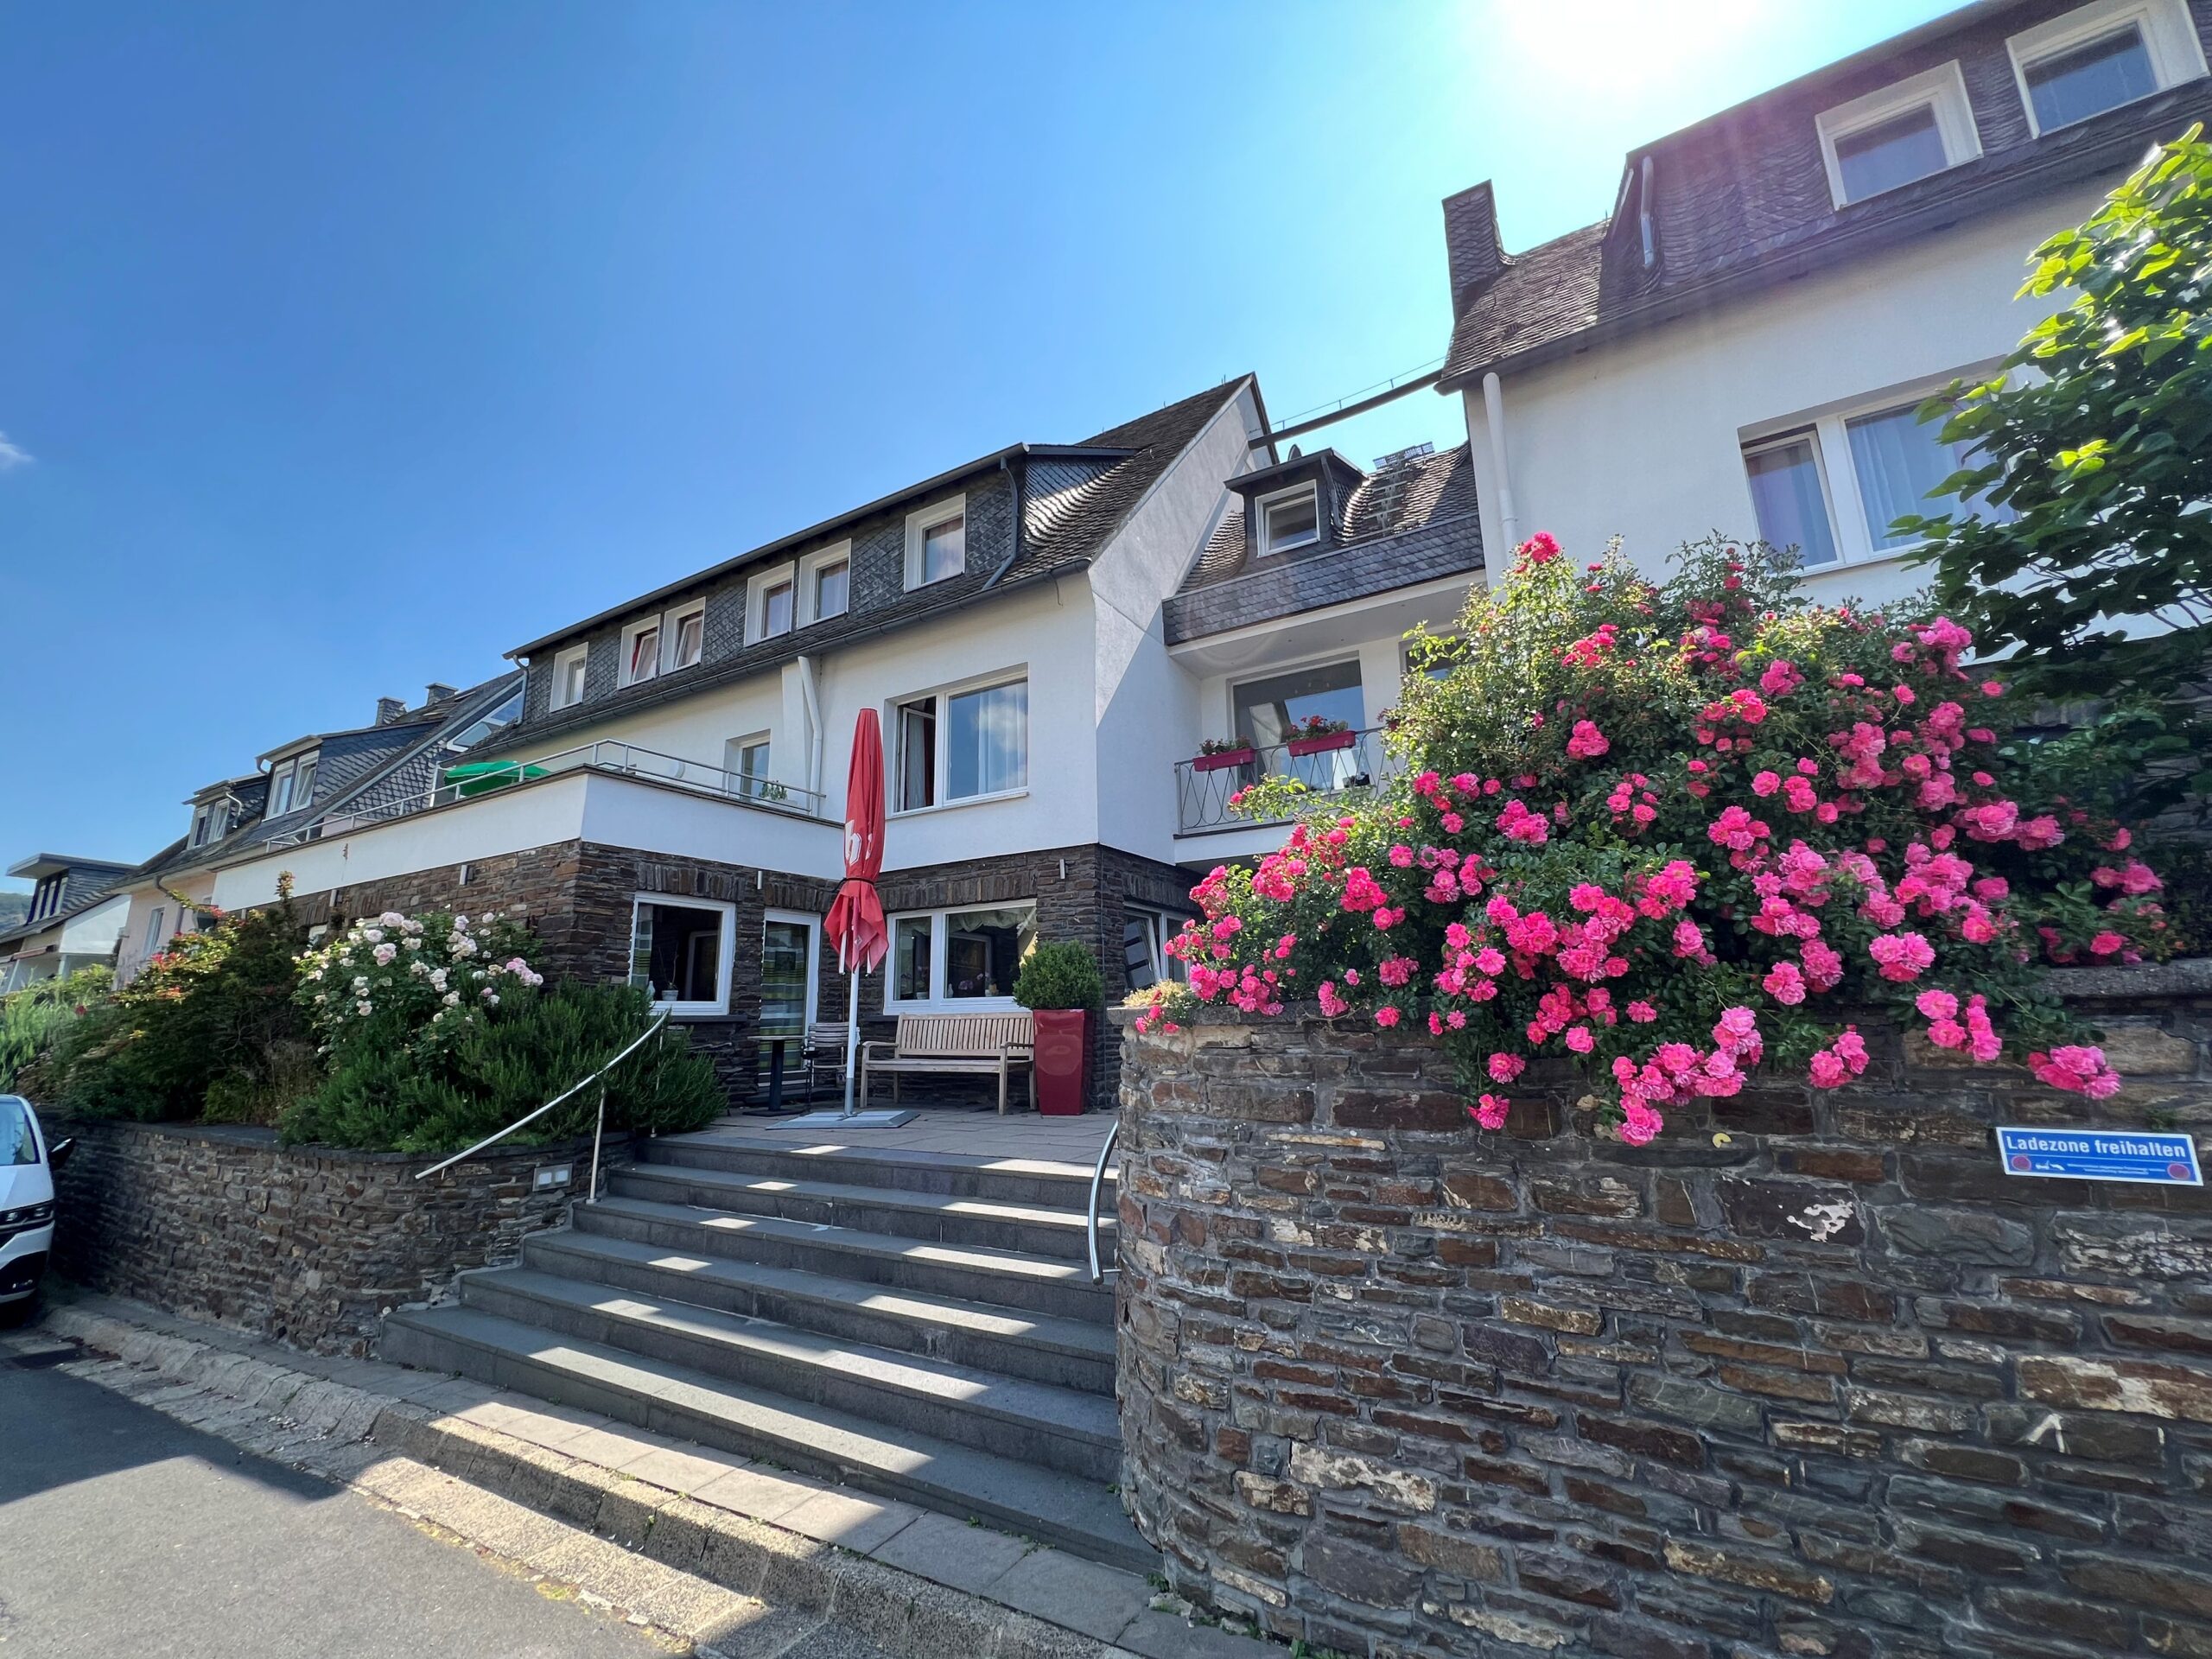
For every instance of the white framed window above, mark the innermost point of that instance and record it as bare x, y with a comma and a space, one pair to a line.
1290, 519
303, 782
937, 541
568, 668
1145, 934
825, 584
750, 762
1896, 135
154, 930
280, 790
680, 952
791, 981
963, 959
1832, 485
2102, 56
641, 651
687, 635
961, 744
199, 837
770, 604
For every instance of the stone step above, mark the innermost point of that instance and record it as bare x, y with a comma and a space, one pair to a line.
800, 1156
1080, 1516
1067, 1353
938, 1218
1047, 1285
1061, 1428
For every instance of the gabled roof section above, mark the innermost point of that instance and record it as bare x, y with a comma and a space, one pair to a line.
1739, 201
1415, 492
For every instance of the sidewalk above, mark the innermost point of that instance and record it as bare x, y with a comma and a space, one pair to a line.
915, 1582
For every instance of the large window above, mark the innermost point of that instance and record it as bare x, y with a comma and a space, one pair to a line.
1832, 489
1292, 520
959, 959
680, 953
936, 542
2102, 56
958, 746
1901, 133
1270, 711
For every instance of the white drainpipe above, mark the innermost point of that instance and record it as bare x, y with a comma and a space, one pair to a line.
815, 735
1494, 417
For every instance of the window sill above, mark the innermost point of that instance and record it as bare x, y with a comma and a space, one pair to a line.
954, 806
936, 581
1861, 562
692, 1010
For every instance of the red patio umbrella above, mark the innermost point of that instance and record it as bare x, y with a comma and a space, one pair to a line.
855, 921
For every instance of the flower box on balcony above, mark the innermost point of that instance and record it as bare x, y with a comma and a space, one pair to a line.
1222, 760
1323, 744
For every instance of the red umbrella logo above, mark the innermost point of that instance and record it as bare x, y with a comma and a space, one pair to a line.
856, 924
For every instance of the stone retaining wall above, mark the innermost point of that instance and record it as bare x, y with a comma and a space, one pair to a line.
307, 1245
1808, 1375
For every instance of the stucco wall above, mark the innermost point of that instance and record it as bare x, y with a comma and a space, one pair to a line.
1642, 438
1833, 1384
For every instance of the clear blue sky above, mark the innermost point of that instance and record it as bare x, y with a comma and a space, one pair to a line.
342, 348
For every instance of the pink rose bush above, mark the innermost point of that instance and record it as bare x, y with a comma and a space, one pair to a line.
1673, 832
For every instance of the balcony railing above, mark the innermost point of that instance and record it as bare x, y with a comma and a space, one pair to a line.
1203, 791
624, 759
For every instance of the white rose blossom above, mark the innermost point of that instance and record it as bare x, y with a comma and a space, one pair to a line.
452, 999
385, 953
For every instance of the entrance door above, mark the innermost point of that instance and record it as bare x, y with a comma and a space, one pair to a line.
789, 983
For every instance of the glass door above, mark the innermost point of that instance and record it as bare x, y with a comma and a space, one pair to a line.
788, 980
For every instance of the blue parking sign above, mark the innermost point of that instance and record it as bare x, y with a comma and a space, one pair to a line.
2101, 1155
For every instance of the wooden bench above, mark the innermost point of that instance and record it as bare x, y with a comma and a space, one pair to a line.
976, 1045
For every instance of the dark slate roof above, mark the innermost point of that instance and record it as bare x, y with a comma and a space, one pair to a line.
1074, 498
1740, 200
1412, 494
91, 882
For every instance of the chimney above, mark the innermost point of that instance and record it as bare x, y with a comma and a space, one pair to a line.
434, 692
1471, 243
390, 709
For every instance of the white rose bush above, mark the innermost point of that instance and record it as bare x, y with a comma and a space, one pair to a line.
414, 982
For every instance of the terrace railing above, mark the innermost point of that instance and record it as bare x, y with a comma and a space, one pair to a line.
623, 759
1204, 787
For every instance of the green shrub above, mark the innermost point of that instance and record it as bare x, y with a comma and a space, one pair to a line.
31, 1018
1059, 975
212, 1015
431, 1098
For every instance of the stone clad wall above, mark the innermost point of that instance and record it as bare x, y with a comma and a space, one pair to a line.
307, 1245
1836, 1386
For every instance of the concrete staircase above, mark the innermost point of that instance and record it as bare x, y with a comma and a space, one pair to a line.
919, 1325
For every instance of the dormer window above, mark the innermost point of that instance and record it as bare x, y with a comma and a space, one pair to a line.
280, 789
690, 637
640, 651
568, 677
936, 542
770, 604
1290, 519
1898, 136
2101, 57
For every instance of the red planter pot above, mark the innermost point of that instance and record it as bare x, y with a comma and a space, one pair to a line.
1226, 759
1063, 1060
1322, 744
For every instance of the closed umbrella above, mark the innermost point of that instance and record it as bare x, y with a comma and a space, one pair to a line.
855, 921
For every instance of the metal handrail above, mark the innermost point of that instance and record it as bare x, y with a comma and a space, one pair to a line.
1202, 795
660, 1019
1090, 1212
607, 754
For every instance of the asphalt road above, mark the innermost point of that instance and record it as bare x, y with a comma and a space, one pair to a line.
123, 1532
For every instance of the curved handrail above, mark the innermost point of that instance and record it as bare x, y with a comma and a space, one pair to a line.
660, 1020
1091, 1211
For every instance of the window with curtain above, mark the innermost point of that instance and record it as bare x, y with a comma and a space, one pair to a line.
1890, 154
987, 741
2078, 82
1786, 495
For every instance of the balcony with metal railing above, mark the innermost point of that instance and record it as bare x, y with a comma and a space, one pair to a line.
1343, 764
485, 778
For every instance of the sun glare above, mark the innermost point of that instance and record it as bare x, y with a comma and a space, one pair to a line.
1597, 45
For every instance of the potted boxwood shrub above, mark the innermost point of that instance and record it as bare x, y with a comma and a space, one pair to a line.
1060, 984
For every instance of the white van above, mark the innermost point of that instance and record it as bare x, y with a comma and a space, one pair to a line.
26, 1165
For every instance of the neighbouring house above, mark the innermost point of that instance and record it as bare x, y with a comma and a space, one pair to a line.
1742, 344
75, 919
400, 758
